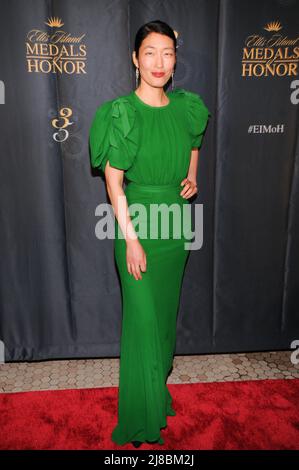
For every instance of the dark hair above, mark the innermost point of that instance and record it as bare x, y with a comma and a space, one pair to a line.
156, 26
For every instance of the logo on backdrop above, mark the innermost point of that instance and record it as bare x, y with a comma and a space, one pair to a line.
61, 124
55, 50
271, 54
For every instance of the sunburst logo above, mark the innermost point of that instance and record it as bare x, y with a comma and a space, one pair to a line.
274, 26
54, 22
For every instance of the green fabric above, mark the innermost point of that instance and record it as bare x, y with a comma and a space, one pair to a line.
153, 145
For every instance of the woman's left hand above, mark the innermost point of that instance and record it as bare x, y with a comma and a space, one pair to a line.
189, 189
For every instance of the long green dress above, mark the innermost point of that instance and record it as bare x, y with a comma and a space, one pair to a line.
153, 146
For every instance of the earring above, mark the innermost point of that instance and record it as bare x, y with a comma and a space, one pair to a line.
172, 81
137, 76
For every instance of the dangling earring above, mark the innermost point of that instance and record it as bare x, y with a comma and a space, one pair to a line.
137, 76
172, 81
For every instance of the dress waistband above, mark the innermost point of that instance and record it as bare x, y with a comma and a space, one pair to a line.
153, 187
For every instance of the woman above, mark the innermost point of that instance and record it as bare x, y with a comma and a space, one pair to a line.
153, 137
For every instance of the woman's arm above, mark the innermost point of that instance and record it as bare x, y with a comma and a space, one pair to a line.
192, 172
190, 182
136, 257
114, 183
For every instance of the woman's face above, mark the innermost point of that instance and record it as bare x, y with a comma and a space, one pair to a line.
156, 59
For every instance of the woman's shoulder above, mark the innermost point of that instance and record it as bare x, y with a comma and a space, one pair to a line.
119, 111
196, 111
114, 133
186, 96
113, 104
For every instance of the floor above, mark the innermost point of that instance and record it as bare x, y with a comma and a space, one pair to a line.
89, 373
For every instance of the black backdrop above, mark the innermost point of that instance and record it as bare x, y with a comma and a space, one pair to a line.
60, 292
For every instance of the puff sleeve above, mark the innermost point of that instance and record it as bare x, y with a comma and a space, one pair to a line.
113, 135
198, 115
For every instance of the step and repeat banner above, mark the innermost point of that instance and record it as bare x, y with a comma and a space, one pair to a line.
60, 292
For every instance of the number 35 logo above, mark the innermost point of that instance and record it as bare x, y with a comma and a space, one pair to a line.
61, 124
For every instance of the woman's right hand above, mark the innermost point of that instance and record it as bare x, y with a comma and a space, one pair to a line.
136, 258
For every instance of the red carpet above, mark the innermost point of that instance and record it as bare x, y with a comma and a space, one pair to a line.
261, 414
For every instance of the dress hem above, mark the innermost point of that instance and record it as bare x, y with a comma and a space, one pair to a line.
158, 440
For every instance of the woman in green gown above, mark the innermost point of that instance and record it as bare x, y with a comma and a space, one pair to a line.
149, 135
